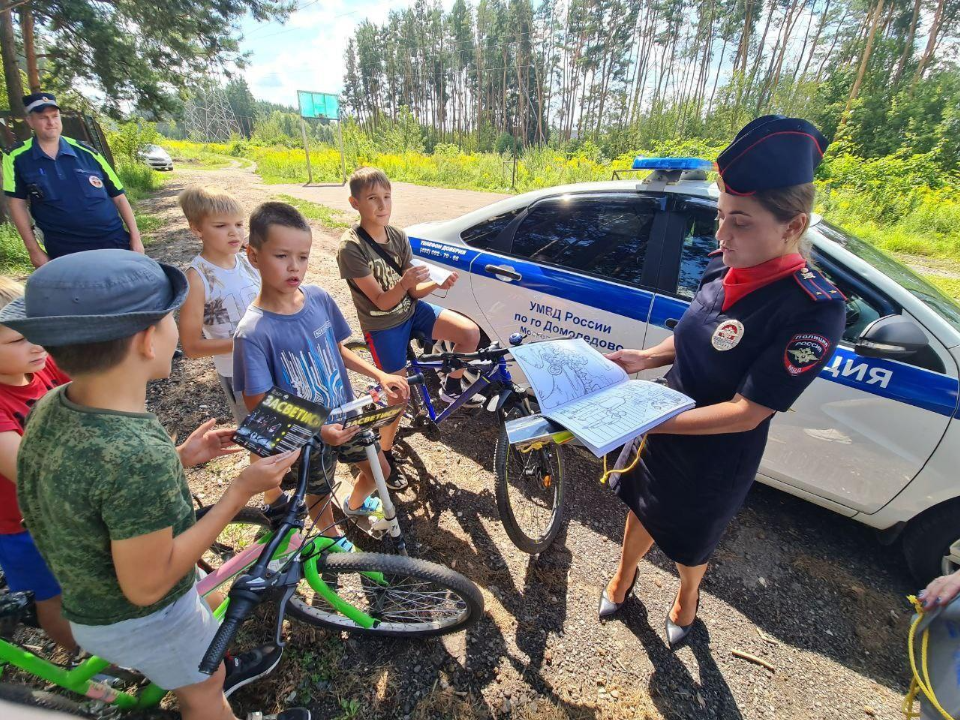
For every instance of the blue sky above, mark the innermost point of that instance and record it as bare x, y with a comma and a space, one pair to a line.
306, 52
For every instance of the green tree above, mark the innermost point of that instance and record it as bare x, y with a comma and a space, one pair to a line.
140, 52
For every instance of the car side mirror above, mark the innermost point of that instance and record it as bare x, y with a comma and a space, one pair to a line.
893, 337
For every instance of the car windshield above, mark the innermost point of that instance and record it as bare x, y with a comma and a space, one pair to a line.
152, 148
910, 281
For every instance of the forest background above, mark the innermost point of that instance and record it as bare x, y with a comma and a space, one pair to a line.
514, 95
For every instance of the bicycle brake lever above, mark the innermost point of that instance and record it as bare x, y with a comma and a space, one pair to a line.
290, 579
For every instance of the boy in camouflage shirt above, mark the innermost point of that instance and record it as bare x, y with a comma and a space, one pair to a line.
102, 487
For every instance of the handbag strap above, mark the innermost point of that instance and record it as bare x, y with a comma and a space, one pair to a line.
378, 249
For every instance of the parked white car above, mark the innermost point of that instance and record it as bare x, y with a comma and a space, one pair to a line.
875, 438
156, 157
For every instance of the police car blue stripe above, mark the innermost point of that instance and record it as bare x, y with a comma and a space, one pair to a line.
904, 383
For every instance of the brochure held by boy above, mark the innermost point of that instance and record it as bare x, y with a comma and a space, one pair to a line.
280, 422
592, 397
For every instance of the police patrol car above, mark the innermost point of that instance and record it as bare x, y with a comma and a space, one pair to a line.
875, 438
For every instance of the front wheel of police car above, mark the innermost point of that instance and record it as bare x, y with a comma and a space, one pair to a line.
931, 542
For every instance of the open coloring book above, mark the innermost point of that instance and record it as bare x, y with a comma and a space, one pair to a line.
592, 397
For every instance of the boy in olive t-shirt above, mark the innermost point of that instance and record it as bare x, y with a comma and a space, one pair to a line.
101, 485
388, 294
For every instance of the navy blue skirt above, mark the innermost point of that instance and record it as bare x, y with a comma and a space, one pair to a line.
687, 488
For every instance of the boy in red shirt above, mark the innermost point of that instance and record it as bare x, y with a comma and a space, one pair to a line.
26, 374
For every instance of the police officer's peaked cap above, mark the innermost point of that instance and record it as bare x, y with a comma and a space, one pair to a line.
771, 152
35, 102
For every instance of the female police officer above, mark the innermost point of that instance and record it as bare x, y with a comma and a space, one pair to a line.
761, 325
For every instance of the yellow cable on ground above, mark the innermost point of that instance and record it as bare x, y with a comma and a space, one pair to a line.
920, 684
628, 468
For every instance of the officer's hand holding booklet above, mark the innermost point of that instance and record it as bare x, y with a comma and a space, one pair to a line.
592, 397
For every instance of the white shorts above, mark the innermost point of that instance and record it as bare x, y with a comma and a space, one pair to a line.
166, 647
234, 399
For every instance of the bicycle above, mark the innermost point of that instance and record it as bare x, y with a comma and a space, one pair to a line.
529, 477
267, 555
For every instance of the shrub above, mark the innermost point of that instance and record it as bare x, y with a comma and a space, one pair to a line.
130, 138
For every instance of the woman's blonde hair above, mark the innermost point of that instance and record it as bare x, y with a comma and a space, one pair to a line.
10, 290
198, 202
786, 203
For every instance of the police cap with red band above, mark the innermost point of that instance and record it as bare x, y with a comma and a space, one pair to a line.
771, 152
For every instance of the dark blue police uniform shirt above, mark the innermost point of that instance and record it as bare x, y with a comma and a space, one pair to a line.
70, 196
768, 346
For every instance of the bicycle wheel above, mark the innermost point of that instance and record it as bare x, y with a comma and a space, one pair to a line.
246, 528
405, 596
529, 487
28, 696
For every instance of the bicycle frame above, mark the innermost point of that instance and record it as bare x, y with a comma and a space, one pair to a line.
80, 679
497, 373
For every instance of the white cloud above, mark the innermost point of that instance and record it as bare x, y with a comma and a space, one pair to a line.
306, 53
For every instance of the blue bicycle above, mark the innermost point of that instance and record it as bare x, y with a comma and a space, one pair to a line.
529, 479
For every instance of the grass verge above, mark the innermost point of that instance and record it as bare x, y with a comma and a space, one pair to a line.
315, 211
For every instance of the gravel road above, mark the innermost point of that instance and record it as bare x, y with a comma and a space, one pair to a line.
809, 592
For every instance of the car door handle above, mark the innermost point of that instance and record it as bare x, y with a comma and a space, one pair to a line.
671, 323
507, 272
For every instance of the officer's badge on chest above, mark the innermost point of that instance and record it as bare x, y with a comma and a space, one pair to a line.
727, 335
95, 181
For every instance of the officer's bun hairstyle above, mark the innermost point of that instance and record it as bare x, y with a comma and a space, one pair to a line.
199, 202
787, 202
274, 213
10, 290
364, 177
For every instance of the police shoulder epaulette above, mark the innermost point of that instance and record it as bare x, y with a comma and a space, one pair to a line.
16, 146
814, 284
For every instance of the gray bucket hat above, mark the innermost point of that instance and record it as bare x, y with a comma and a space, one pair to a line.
95, 296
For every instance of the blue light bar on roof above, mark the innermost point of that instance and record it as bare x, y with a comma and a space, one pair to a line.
682, 163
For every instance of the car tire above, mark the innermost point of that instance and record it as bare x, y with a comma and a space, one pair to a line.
928, 539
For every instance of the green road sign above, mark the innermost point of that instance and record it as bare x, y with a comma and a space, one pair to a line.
318, 105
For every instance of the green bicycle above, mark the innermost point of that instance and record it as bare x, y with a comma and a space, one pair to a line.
261, 557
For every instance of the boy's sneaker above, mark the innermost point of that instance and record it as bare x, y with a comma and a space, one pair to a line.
248, 666
288, 714
452, 388
395, 480
371, 507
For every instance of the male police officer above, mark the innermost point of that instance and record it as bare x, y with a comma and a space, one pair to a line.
75, 197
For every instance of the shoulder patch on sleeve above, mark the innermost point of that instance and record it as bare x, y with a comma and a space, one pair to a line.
804, 352
816, 286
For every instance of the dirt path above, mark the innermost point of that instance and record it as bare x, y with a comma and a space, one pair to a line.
806, 590
411, 203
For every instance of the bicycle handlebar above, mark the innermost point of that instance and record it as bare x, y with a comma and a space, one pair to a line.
490, 353
248, 590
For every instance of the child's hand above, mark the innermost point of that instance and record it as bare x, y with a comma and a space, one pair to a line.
414, 276
395, 386
335, 434
206, 444
265, 474
448, 283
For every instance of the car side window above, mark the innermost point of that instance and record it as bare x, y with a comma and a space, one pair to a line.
699, 240
604, 237
485, 232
